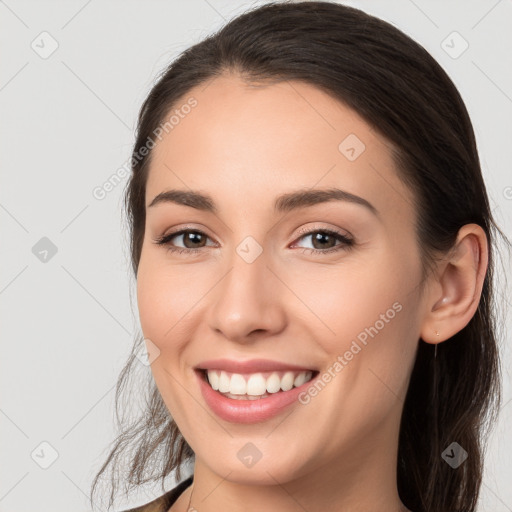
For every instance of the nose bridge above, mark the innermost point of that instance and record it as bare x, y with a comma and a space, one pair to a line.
246, 298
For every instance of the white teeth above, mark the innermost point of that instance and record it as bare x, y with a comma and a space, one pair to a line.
287, 381
213, 377
256, 384
300, 379
238, 385
273, 383
224, 382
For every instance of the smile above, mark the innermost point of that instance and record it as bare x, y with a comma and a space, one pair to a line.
251, 391
254, 386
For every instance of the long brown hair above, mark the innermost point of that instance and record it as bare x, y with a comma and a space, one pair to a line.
396, 86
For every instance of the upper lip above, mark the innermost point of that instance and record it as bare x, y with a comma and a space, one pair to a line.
249, 366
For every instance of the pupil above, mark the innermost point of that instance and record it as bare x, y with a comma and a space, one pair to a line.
318, 237
192, 237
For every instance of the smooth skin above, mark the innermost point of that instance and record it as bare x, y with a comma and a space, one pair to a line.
244, 145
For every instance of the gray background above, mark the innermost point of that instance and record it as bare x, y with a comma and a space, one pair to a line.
67, 323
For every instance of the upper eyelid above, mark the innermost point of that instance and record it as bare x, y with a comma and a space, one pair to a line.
180, 231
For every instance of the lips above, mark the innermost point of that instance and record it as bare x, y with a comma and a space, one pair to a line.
249, 411
242, 408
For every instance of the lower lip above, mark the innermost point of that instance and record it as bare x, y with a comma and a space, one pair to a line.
248, 411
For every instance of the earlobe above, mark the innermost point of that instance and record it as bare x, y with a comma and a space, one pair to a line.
455, 298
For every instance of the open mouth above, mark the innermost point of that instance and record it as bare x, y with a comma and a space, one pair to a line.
255, 386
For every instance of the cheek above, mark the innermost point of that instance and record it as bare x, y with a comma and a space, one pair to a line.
149, 295
345, 304
163, 306
169, 299
159, 298
367, 316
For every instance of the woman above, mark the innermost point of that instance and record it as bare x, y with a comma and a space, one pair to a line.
313, 247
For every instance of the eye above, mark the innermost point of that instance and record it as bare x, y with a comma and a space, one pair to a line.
194, 241
325, 238
192, 238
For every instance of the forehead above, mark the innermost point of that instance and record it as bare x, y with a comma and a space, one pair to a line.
244, 141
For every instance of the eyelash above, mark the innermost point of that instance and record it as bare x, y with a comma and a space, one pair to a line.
346, 242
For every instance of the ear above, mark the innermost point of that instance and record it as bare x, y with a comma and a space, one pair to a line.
455, 294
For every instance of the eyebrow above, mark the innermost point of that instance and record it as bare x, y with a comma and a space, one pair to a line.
284, 203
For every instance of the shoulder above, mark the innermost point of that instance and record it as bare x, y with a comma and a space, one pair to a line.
162, 503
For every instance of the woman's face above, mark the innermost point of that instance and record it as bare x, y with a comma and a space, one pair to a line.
350, 312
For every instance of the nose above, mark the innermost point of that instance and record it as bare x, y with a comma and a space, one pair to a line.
248, 301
